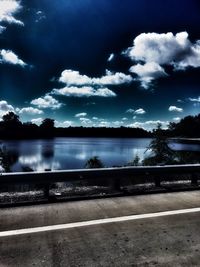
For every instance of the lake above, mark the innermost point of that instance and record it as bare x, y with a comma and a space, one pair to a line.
72, 153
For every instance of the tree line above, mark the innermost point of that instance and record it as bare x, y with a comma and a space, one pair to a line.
12, 128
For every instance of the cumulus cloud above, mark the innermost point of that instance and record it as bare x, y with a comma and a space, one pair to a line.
139, 111
29, 111
47, 102
130, 110
63, 124
5, 108
103, 123
176, 119
8, 9
104, 92
124, 119
117, 123
80, 85
148, 72
71, 77
7, 56
154, 51
176, 109
85, 121
82, 114
2, 29
180, 101
149, 125
37, 121
85, 91
195, 100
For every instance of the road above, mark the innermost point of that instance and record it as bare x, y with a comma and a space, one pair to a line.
150, 230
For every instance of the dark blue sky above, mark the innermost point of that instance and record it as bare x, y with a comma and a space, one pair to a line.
54, 61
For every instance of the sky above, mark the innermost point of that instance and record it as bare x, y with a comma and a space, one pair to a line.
100, 63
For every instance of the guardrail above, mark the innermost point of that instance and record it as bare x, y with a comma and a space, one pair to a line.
117, 176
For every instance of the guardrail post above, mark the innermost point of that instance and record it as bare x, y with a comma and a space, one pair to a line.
117, 184
157, 181
46, 190
194, 179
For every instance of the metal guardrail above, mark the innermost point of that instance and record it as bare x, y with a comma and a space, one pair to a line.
116, 175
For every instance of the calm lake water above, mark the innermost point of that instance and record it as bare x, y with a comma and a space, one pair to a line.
72, 153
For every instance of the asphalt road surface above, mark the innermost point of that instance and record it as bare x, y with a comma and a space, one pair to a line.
150, 230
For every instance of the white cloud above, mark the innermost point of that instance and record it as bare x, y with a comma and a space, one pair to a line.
104, 92
148, 72
47, 102
82, 114
117, 123
160, 48
130, 110
176, 119
176, 109
2, 29
71, 77
85, 121
85, 91
197, 100
80, 85
111, 57
149, 125
63, 124
155, 50
5, 108
7, 56
180, 101
29, 111
124, 119
104, 123
8, 8
140, 111
75, 91
37, 121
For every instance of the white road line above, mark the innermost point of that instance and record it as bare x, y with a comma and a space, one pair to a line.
95, 222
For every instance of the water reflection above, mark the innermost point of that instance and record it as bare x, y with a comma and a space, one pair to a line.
37, 162
47, 150
30, 160
184, 147
72, 153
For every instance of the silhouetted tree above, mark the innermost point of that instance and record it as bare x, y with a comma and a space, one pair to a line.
11, 120
47, 124
47, 127
93, 163
162, 154
135, 162
11, 116
10, 126
7, 159
187, 127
